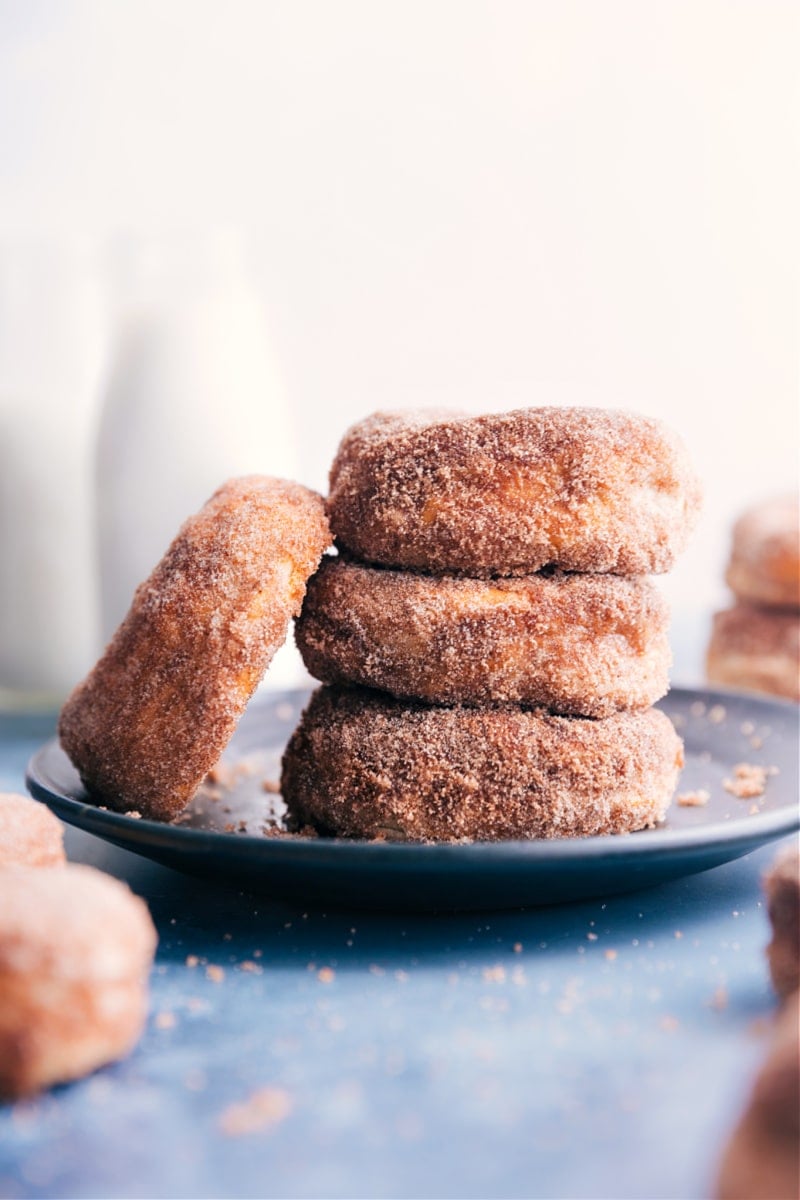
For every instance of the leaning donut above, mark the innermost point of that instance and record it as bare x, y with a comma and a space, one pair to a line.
764, 566
160, 706
75, 951
756, 649
580, 644
367, 766
584, 489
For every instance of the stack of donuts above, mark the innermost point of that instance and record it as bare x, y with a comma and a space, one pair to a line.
488, 640
755, 644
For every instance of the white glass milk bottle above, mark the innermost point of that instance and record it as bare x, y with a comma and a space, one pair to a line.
52, 341
194, 396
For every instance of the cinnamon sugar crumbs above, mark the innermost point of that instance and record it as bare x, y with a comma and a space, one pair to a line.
749, 780
215, 974
326, 975
696, 799
272, 786
610, 955
192, 960
263, 1109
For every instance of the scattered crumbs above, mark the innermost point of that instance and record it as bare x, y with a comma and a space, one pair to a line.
494, 974
401, 976
719, 1000
252, 967
669, 1024
717, 714
192, 960
696, 799
748, 728
749, 780
517, 947
165, 1020
215, 974
326, 974
374, 969
272, 786
265, 1108
698, 709
610, 955
591, 937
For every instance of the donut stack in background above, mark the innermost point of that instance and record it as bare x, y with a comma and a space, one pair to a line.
755, 644
488, 640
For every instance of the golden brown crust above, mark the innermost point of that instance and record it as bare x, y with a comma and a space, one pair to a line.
29, 833
75, 950
365, 765
161, 704
762, 1159
756, 649
782, 887
577, 644
584, 489
764, 566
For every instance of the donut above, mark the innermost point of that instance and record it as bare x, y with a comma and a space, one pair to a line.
782, 888
583, 489
29, 833
761, 1159
764, 565
364, 765
75, 950
579, 644
756, 649
155, 713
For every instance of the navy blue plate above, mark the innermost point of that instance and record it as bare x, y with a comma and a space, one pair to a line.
230, 830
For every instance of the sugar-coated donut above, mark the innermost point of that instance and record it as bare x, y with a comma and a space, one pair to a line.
579, 644
764, 565
762, 1158
756, 649
158, 709
584, 489
75, 950
365, 765
29, 833
782, 887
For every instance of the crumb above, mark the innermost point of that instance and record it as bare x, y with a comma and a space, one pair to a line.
192, 960
591, 937
753, 810
678, 933
747, 728
134, 814
717, 714
698, 709
272, 786
215, 974
252, 967
165, 1020
326, 975
494, 974
749, 781
610, 955
264, 1108
696, 799
517, 947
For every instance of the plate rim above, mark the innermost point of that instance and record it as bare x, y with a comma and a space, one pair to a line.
640, 844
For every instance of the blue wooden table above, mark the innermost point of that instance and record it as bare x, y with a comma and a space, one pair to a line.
599, 1050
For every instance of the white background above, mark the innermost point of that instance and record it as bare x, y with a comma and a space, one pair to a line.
483, 205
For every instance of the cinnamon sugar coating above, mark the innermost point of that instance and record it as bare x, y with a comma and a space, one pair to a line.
75, 950
762, 1158
155, 713
756, 649
782, 888
584, 489
578, 644
368, 766
764, 565
29, 833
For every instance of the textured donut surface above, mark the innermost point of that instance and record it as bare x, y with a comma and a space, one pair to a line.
29, 833
364, 765
764, 566
579, 644
75, 950
591, 490
159, 707
756, 649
